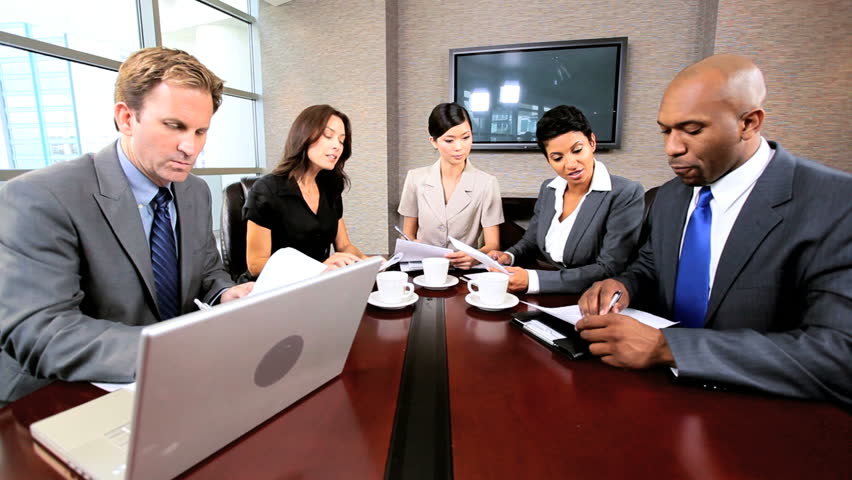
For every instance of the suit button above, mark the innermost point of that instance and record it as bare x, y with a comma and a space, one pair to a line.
441, 228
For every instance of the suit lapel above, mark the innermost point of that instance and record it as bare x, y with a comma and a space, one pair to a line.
463, 193
118, 206
670, 234
587, 213
434, 191
547, 213
756, 219
182, 195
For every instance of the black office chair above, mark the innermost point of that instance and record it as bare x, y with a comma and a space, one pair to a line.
650, 195
233, 233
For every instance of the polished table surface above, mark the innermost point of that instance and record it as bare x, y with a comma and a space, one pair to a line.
518, 410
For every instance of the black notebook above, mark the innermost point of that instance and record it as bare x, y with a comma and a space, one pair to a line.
551, 332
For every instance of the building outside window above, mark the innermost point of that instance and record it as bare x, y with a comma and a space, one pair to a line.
58, 64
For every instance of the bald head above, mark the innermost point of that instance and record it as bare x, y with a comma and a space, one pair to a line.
711, 115
733, 79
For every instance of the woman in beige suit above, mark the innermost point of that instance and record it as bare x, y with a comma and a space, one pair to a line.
452, 198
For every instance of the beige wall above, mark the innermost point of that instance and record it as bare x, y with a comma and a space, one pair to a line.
385, 63
654, 55
333, 52
805, 51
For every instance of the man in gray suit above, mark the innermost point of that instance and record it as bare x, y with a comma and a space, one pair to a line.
773, 307
77, 239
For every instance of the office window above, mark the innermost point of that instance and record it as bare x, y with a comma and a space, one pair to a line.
80, 25
241, 5
57, 75
49, 102
220, 41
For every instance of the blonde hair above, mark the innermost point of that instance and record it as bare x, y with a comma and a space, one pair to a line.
147, 68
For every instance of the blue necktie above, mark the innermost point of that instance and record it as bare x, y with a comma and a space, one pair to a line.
693, 271
164, 256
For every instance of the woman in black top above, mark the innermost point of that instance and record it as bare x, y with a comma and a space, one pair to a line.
299, 204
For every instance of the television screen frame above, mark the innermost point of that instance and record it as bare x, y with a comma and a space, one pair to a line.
621, 63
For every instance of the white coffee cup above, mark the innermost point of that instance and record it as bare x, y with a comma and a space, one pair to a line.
435, 270
393, 286
490, 287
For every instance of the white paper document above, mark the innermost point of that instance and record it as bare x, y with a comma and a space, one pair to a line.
111, 387
481, 257
571, 314
390, 262
411, 266
414, 251
542, 331
285, 267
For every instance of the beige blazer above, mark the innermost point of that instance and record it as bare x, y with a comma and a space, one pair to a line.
475, 204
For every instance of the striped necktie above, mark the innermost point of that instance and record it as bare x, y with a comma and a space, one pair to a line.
164, 256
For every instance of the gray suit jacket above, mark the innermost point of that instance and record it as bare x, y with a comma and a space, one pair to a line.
779, 318
600, 243
76, 284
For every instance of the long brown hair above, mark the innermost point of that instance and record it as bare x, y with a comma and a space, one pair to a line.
306, 129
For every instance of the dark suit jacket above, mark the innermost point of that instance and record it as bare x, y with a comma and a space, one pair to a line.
600, 243
779, 317
76, 284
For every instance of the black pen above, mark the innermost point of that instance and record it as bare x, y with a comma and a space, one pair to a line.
401, 233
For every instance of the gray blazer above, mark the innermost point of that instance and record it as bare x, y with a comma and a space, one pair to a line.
600, 244
76, 285
779, 318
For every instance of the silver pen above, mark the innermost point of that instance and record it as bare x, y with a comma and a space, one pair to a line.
615, 298
401, 233
201, 305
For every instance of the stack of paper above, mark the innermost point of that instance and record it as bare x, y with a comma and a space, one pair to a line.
572, 315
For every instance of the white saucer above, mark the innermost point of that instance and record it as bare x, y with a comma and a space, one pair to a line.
508, 302
376, 301
420, 281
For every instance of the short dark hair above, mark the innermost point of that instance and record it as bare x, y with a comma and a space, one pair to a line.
306, 129
446, 116
560, 120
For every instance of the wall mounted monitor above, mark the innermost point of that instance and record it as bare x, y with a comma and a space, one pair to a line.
507, 88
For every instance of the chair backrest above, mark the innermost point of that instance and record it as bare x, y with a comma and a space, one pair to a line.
650, 195
233, 233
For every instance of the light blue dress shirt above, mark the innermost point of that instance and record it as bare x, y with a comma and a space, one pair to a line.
144, 190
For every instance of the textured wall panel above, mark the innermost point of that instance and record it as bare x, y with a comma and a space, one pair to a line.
805, 51
663, 39
333, 52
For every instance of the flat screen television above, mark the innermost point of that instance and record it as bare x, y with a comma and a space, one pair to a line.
506, 88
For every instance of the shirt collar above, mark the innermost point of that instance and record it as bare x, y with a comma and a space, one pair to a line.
601, 181
144, 190
434, 177
732, 186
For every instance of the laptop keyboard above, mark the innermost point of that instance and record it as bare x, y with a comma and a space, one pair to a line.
119, 436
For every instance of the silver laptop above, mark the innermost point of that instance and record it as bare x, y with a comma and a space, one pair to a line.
208, 377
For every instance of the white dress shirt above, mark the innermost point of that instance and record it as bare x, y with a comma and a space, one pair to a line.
729, 195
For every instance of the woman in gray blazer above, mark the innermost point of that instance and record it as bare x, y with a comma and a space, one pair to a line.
586, 221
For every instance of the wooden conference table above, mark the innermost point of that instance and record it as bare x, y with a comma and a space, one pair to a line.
513, 409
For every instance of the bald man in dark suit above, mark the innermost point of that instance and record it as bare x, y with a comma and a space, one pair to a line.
775, 313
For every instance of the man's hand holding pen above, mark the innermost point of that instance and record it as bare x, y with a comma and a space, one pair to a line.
619, 340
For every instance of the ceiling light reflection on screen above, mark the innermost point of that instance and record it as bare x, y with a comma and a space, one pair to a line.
480, 101
510, 92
